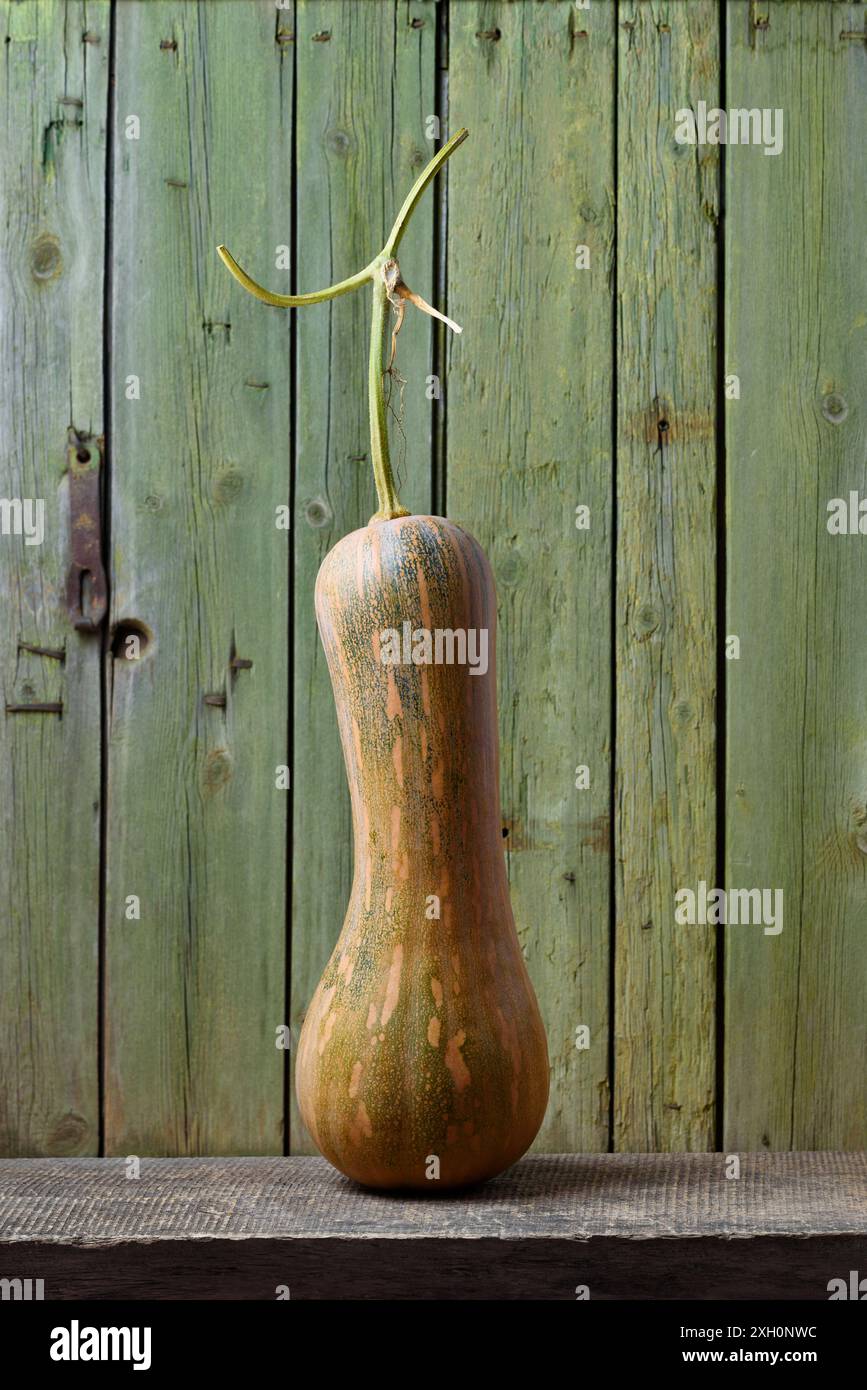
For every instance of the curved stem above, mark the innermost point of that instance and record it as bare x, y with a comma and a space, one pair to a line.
421, 183
292, 301
386, 491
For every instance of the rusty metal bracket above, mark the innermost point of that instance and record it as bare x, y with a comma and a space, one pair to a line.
86, 598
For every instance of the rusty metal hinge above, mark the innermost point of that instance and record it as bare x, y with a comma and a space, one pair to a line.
86, 598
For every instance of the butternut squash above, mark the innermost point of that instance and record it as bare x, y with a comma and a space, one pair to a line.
422, 1062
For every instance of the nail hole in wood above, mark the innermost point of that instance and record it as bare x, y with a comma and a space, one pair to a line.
130, 640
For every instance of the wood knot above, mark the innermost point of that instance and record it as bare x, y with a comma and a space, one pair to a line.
647, 621
338, 142
217, 770
46, 262
317, 513
68, 1134
835, 408
228, 485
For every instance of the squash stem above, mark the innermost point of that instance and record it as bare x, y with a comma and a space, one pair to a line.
386, 489
291, 301
427, 174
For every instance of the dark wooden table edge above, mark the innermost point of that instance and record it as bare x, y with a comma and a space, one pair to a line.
482, 1268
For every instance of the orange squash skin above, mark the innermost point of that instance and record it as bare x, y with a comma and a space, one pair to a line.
423, 1040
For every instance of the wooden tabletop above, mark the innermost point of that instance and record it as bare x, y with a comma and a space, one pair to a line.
617, 1225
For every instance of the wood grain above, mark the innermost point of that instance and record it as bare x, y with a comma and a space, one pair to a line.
629, 1226
356, 161
244, 408
796, 795
52, 182
529, 440
196, 825
664, 1035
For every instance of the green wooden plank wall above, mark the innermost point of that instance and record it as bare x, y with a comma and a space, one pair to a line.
51, 351
658, 390
664, 1029
796, 320
196, 827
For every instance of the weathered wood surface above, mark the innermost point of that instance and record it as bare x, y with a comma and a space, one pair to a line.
196, 827
528, 407
356, 160
627, 1225
194, 824
664, 990
630, 1196
796, 322
53, 89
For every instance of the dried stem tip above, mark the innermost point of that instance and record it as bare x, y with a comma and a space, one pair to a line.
397, 289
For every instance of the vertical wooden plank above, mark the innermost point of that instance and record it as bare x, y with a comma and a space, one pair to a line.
529, 440
53, 81
664, 1040
365, 89
196, 826
796, 1028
